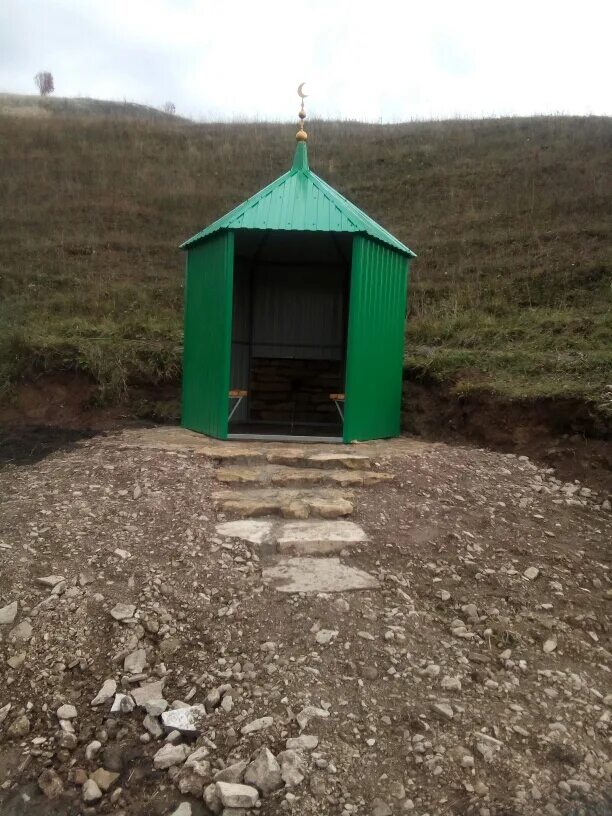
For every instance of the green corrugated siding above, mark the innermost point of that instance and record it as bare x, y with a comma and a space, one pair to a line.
208, 332
375, 348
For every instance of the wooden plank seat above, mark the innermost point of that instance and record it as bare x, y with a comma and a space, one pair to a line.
237, 394
338, 398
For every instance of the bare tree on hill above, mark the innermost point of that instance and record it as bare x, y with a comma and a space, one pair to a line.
169, 107
44, 82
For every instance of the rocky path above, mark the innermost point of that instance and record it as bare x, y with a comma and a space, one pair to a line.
165, 652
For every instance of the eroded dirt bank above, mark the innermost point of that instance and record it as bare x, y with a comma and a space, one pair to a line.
565, 434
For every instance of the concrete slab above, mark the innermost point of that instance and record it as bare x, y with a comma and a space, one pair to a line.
350, 461
313, 575
253, 530
287, 503
318, 537
168, 437
283, 476
298, 537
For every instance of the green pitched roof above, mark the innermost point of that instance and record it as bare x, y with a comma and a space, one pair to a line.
300, 201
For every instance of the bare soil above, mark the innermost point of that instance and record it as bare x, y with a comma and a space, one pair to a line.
529, 731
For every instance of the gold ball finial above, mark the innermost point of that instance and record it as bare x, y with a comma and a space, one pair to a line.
301, 135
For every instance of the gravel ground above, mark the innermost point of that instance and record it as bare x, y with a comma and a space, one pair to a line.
475, 681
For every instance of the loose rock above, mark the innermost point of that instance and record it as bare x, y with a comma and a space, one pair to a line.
264, 772
257, 725
91, 792
236, 796
169, 755
109, 687
8, 613
50, 783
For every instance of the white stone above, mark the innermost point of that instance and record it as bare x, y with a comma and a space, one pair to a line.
451, 683
264, 772
135, 662
148, 692
124, 554
93, 749
308, 713
21, 633
312, 575
4, 712
233, 795
443, 710
292, 767
318, 537
151, 724
325, 636
184, 809
232, 773
123, 611
253, 530
169, 755
155, 707
305, 742
66, 712
199, 762
187, 720
91, 792
8, 613
122, 704
531, 573
50, 580
257, 725
109, 687
550, 645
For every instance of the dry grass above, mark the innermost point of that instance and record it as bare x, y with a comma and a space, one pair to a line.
510, 219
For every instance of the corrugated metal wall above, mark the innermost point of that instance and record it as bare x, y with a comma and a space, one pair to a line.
298, 312
375, 350
208, 333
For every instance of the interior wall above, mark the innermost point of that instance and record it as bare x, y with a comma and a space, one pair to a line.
298, 312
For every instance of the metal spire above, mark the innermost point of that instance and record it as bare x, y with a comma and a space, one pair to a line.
301, 135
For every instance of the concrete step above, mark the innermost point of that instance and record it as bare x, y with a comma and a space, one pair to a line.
286, 476
294, 457
314, 575
294, 504
296, 537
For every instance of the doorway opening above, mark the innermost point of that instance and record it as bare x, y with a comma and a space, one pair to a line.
289, 329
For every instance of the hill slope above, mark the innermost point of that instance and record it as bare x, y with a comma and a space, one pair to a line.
44, 106
510, 220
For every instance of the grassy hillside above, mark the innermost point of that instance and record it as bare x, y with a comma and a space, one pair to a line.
510, 219
45, 106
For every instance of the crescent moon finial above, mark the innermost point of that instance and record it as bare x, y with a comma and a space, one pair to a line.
301, 135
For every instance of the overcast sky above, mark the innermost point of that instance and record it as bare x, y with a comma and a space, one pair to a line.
383, 60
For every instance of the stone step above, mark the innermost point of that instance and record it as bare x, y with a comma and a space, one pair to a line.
313, 575
296, 537
285, 476
294, 457
294, 504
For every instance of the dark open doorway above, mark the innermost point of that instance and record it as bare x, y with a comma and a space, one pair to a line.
289, 328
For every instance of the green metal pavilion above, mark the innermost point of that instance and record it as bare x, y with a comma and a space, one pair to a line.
295, 305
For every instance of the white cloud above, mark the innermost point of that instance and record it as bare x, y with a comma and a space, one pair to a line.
388, 60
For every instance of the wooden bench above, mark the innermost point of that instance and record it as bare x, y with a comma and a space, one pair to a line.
338, 398
238, 394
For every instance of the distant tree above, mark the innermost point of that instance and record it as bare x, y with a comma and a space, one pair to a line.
44, 82
169, 107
